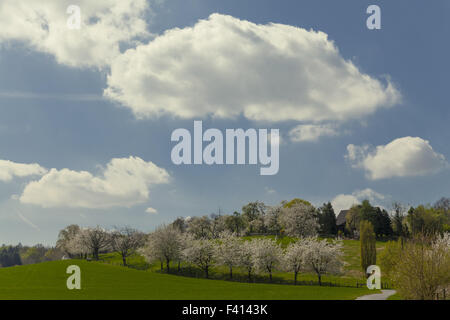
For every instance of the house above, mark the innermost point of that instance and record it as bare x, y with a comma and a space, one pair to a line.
341, 220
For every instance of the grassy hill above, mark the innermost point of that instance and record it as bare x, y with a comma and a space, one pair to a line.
104, 281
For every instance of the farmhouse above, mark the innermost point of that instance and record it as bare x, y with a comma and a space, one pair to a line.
341, 219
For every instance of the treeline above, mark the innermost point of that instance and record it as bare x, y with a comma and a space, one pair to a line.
19, 255
299, 218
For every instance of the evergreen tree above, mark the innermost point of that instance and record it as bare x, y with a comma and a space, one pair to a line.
368, 245
327, 219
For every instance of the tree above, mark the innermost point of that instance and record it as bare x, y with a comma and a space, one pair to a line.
53, 254
227, 251
352, 221
253, 214
398, 221
442, 204
425, 220
10, 256
126, 241
34, 254
295, 202
299, 220
77, 247
327, 220
423, 267
389, 256
272, 220
200, 227
234, 223
200, 252
266, 255
95, 240
217, 225
180, 224
66, 237
368, 245
322, 256
294, 258
365, 211
245, 257
165, 245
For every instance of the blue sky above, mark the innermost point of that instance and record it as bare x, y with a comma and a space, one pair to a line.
53, 113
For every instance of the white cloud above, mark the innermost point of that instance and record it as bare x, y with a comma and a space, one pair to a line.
225, 67
408, 156
123, 183
346, 201
10, 170
312, 132
106, 24
151, 210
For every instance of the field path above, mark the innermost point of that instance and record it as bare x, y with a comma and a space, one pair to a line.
378, 296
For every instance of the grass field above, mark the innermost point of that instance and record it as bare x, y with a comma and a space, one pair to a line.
352, 272
106, 281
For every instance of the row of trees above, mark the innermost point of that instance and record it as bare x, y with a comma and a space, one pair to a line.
262, 255
297, 218
81, 242
403, 222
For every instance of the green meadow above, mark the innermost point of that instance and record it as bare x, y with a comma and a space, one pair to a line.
106, 281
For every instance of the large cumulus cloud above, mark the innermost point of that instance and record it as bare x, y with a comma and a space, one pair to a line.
224, 67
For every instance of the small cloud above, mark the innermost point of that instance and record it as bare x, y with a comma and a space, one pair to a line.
403, 157
312, 132
151, 210
346, 201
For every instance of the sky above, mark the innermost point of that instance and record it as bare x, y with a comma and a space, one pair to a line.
86, 115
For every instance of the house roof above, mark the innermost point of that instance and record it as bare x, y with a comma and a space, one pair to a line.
340, 220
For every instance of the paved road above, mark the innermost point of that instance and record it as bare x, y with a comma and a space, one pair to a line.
378, 296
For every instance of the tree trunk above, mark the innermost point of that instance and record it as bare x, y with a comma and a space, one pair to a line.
231, 272
295, 277
168, 265
270, 276
162, 266
320, 279
206, 272
124, 259
249, 275
179, 266
96, 254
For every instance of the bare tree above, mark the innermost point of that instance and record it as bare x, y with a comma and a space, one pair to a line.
126, 241
95, 240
